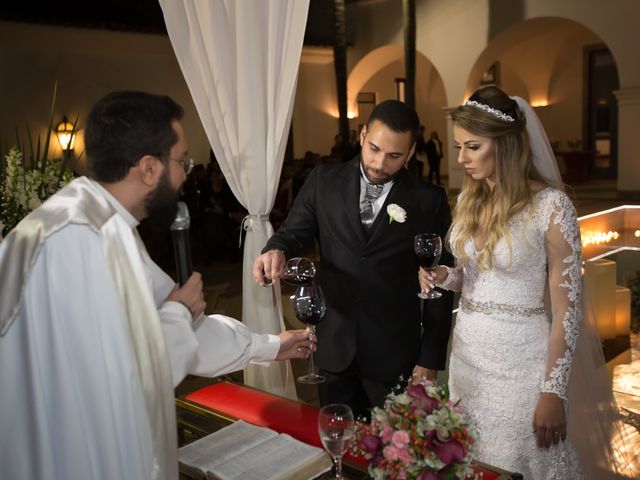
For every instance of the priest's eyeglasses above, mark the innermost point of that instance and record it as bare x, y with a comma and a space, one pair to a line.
186, 164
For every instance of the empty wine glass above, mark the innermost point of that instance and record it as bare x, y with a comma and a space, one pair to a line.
297, 271
309, 306
335, 426
428, 248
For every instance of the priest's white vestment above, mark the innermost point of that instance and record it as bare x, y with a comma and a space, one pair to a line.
73, 401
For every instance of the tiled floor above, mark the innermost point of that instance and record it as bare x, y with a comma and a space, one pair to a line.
224, 289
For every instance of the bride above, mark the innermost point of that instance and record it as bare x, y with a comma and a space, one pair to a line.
516, 240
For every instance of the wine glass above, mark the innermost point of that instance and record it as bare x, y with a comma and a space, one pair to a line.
297, 271
335, 426
309, 306
428, 248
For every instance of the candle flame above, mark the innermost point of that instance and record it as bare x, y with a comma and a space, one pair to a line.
590, 237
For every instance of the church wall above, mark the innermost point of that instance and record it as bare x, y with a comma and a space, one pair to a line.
315, 113
87, 64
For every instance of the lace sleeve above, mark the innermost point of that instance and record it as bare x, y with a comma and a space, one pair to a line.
454, 278
562, 243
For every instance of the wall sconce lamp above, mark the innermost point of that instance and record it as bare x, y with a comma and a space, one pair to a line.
66, 134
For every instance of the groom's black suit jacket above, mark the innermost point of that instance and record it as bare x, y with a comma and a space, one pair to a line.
370, 279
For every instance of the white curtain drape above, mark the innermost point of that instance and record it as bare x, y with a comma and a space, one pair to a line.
240, 61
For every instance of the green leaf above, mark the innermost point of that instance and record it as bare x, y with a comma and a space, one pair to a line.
47, 137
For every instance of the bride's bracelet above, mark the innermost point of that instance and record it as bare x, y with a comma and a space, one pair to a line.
451, 277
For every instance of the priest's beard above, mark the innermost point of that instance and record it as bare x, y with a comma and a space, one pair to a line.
162, 203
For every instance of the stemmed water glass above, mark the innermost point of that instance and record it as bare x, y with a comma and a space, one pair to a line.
428, 248
297, 271
309, 306
335, 426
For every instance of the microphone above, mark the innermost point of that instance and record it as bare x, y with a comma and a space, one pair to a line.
182, 244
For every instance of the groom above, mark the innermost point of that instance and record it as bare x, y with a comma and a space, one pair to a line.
374, 330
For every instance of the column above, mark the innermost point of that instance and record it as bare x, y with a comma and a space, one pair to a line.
628, 152
455, 171
600, 281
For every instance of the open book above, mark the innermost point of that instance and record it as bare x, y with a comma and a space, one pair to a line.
243, 451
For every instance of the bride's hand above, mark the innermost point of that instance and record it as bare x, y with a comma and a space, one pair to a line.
429, 279
549, 420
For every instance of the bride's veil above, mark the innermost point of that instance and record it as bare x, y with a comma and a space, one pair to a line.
594, 425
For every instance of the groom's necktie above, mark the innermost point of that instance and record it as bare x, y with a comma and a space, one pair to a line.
366, 205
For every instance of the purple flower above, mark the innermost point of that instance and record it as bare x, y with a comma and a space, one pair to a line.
371, 444
377, 459
428, 475
449, 452
421, 399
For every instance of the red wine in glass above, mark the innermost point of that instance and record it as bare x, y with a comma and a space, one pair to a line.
297, 271
428, 261
309, 306
428, 248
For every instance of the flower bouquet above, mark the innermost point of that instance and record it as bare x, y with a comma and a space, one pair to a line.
419, 434
25, 188
27, 182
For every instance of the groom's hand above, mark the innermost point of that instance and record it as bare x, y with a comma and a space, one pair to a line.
267, 267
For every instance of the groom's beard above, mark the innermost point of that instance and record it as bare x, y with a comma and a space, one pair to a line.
162, 203
377, 181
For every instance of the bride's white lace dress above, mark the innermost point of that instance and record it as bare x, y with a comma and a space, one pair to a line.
506, 349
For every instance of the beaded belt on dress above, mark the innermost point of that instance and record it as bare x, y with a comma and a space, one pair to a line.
492, 307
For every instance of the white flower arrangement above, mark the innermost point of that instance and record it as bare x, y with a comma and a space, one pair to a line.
23, 188
26, 183
396, 213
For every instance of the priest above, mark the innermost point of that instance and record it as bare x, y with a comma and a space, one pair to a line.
93, 335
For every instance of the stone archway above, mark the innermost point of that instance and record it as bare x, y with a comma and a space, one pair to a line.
541, 60
376, 72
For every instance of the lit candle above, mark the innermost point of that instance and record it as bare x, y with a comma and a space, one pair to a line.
600, 280
623, 311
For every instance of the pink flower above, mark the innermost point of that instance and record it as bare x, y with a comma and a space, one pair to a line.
391, 453
402, 475
400, 438
386, 434
421, 399
404, 456
449, 452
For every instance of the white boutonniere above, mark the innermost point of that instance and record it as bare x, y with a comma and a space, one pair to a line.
396, 213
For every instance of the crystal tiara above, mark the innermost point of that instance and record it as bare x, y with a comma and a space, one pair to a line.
496, 113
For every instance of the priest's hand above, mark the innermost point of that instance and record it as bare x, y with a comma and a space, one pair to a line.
190, 295
549, 420
296, 344
267, 267
422, 373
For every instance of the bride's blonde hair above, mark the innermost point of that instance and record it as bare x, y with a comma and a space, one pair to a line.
513, 169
